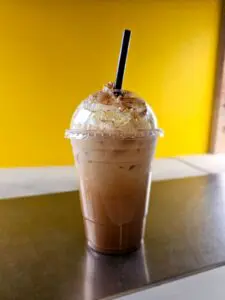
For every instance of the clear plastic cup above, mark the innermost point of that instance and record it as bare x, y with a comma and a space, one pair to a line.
113, 142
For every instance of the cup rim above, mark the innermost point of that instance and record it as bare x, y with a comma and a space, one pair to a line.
91, 133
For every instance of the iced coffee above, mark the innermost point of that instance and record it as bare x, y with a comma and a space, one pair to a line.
113, 137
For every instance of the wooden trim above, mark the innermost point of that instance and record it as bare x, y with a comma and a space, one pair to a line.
219, 92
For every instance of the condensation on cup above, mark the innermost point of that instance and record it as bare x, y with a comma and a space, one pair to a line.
113, 136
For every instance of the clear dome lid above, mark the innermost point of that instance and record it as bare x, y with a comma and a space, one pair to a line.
115, 114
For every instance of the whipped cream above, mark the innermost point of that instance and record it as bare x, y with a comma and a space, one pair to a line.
107, 111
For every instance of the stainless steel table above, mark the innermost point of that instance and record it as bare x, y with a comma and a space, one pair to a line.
43, 254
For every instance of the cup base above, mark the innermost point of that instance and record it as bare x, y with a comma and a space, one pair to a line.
112, 251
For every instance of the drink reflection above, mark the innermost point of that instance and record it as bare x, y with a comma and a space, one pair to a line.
106, 275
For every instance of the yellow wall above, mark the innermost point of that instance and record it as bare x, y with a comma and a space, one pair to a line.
54, 53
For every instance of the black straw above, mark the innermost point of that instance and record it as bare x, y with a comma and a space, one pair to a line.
122, 59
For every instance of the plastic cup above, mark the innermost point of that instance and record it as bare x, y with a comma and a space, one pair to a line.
114, 165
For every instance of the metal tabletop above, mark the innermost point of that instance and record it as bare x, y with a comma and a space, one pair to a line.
43, 254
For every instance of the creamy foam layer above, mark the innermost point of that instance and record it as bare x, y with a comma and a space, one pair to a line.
108, 111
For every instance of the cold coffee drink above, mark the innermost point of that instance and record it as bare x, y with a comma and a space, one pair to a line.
113, 139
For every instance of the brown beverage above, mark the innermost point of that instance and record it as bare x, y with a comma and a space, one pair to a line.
114, 139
